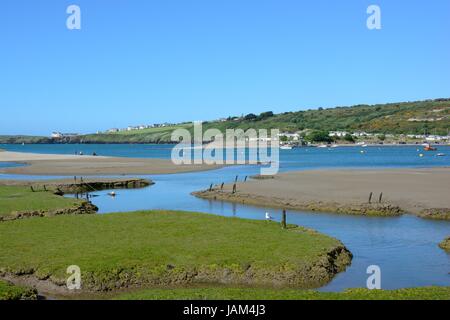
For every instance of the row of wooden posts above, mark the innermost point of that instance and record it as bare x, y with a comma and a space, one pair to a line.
284, 214
379, 198
33, 190
223, 183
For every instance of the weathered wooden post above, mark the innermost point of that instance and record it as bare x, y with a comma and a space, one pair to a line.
32, 188
210, 187
380, 198
221, 186
45, 188
234, 188
370, 197
283, 219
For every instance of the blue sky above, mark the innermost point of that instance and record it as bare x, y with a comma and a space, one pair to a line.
152, 61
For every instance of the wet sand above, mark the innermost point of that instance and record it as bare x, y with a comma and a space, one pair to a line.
70, 165
419, 191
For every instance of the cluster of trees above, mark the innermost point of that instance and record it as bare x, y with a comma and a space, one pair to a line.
262, 116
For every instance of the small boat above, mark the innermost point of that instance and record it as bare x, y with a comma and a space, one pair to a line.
286, 147
440, 154
322, 146
334, 145
112, 194
428, 147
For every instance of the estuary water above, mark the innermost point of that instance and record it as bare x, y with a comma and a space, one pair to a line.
405, 248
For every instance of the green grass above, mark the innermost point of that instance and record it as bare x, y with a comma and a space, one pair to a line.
157, 247
151, 135
426, 293
21, 199
12, 292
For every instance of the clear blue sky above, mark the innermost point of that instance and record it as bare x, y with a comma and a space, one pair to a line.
152, 61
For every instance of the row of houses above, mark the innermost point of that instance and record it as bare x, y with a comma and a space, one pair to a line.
362, 134
141, 127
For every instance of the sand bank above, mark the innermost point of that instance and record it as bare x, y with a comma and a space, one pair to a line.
418, 191
54, 164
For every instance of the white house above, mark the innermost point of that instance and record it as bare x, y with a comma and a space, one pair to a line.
290, 136
338, 134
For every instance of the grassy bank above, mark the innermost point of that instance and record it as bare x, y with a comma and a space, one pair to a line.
427, 293
168, 248
20, 201
12, 292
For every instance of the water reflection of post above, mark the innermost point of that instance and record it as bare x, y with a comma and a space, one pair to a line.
210, 205
233, 209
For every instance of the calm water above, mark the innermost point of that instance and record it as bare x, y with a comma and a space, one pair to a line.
404, 247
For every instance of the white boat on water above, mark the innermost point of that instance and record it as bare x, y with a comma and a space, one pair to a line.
322, 146
286, 147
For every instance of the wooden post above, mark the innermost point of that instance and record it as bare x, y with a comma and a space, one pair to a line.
234, 188
245, 180
210, 187
221, 186
45, 188
380, 198
283, 219
32, 188
370, 197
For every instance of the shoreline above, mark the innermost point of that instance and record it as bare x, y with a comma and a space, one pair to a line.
422, 192
71, 165
72, 186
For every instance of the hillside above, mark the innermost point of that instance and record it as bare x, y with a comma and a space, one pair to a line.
432, 117
419, 117
24, 139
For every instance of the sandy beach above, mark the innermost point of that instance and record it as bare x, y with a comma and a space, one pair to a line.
69, 165
417, 191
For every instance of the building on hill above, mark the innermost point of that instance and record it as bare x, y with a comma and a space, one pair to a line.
339, 134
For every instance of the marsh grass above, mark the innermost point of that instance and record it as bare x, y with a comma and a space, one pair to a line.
426, 293
20, 199
131, 249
